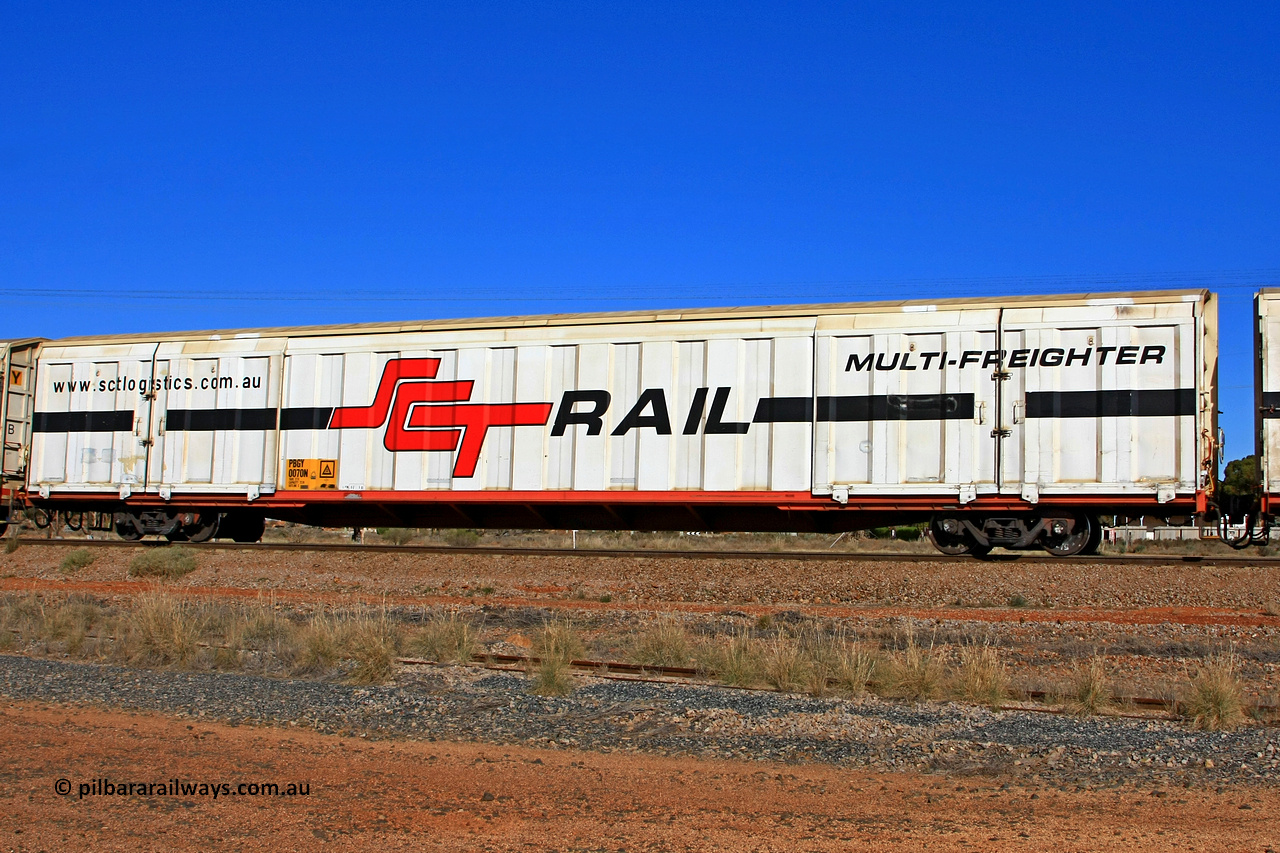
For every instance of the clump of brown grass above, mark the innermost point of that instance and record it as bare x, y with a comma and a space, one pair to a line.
372, 644
664, 642
162, 629
170, 563
555, 644
558, 639
785, 665
314, 646
914, 672
445, 639
11, 542
737, 662
1090, 690
1214, 701
982, 676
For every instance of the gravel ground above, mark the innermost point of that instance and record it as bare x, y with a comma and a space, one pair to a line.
463, 704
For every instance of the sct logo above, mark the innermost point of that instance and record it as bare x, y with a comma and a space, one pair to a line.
428, 415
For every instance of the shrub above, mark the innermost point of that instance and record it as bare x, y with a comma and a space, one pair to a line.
397, 535
169, 563
1017, 600
462, 538
663, 643
445, 639
75, 561
1215, 702
11, 544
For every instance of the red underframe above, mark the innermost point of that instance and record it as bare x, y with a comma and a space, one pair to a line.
793, 501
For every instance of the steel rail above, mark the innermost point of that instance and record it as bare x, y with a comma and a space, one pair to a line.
814, 556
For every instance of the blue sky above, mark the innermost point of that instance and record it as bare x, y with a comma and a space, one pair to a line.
194, 166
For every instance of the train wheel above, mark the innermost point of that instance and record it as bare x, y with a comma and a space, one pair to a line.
1069, 543
204, 528
1095, 539
127, 528
949, 537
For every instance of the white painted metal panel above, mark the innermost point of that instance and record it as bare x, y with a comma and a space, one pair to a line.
90, 430
905, 403
1110, 403
1268, 381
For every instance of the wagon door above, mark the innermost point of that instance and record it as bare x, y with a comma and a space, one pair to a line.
91, 426
216, 417
905, 404
1108, 401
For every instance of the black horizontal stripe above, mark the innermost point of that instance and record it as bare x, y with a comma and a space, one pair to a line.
1136, 403
1271, 404
874, 407
207, 420
117, 421
300, 418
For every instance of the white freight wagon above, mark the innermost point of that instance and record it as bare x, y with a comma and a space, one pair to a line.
1008, 422
1267, 392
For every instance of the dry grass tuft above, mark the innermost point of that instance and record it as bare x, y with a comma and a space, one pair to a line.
558, 640
555, 644
1090, 689
75, 561
162, 629
914, 672
739, 662
170, 563
982, 676
445, 639
314, 646
372, 644
664, 642
1215, 702
786, 667
551, 678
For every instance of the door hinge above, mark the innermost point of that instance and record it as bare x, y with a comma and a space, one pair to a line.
1001, 433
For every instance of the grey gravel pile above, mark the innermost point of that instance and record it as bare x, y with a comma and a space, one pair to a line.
675, 719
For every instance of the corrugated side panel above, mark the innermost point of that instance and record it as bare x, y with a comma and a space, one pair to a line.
653, 408
1268, 305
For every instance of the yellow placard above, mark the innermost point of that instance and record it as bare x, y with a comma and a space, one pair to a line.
15, 377
311, 474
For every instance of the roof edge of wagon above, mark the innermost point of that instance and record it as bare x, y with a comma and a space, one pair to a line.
650, 316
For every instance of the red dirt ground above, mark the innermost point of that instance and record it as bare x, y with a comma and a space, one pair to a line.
462, 797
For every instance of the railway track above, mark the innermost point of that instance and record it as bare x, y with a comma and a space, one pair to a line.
1233, 559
